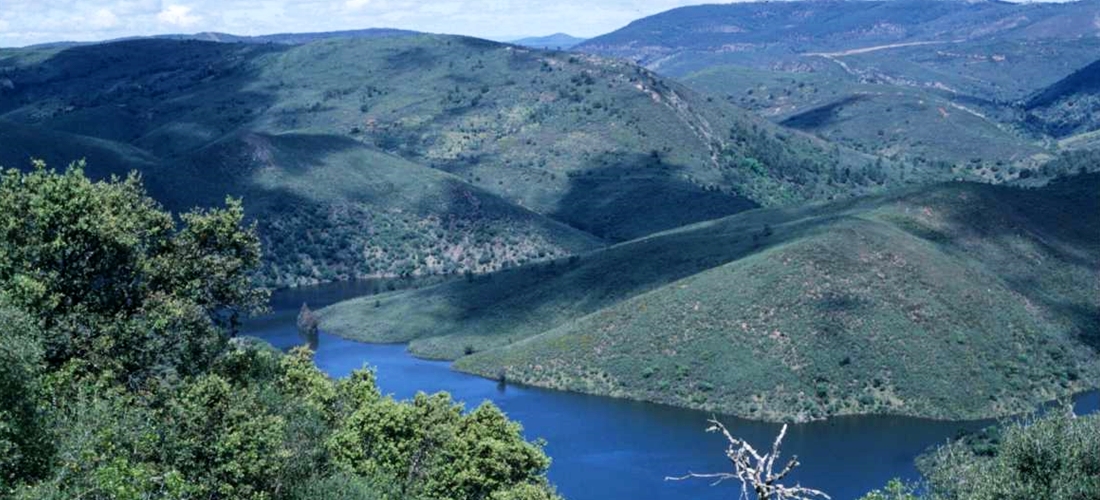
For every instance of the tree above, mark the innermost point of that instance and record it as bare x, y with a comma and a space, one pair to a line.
755, 470
25, 440
308, 325
121, 377
432, 450
112, 279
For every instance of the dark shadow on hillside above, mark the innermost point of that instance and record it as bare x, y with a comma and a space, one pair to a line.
156, 101
821, 116
535, 298
1084, 80
1088, 323
1063, 220
412, 59
623, 197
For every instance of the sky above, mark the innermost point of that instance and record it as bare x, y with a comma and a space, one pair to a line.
26, 22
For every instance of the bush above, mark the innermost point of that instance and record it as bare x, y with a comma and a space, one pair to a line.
894, 490
1055, 457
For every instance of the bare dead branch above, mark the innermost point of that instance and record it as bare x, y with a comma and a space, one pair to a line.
752, 469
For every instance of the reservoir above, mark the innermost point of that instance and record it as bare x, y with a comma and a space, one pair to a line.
611, 449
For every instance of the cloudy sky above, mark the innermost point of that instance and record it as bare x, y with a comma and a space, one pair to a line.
25, 22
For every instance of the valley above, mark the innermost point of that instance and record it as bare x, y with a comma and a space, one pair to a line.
232, 264
486, 156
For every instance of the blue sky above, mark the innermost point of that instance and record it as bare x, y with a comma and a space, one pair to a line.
25, 22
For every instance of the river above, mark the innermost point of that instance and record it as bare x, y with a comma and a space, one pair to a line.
612, 449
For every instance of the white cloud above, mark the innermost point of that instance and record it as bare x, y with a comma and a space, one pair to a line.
104, 19
135, 7
178, 15
356, 4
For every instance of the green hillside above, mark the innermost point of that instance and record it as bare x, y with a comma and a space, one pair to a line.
894, 121
448, 154
924, 81
327, 207
911, 304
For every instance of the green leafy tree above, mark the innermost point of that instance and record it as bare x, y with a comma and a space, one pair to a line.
112, 278
25, 441
121, 377
227, 441
435, 451
487, 454
108, 446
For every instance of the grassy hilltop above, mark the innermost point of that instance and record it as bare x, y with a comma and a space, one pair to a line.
414, 155
911, 303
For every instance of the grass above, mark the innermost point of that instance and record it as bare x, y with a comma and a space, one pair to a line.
960, 301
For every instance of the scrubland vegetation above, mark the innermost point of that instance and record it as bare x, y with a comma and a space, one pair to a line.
907, 304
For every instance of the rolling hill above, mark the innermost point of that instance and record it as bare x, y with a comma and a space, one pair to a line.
893, 121
956, 301
213, 36
929, 34
414, 155
920, 80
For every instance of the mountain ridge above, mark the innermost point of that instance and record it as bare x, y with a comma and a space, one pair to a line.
580, 141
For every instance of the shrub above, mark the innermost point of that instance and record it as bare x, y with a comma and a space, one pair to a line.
1054, 457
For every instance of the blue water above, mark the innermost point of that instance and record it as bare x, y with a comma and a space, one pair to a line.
612, 449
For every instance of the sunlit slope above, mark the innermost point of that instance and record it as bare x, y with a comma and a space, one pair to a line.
931, 130
963, 302
975, 48
875, 305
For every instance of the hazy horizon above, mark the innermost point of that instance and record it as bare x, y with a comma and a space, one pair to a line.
31, 22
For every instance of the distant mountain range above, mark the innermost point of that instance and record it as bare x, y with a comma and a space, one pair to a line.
279, 38
557, 41
921, 80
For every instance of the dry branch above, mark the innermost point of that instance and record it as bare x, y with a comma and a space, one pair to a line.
755, 470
